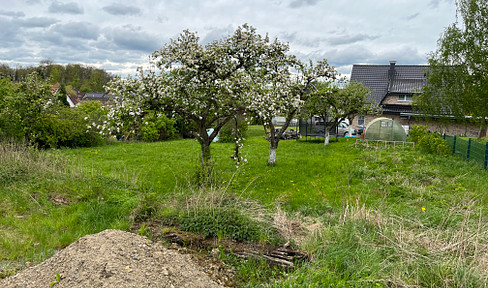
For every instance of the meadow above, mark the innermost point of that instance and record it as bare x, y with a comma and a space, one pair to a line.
366, 218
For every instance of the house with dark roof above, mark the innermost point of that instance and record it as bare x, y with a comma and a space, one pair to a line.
393, 88
73, 100
102, 97
105, 99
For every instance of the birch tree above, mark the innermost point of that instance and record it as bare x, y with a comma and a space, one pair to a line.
457, 80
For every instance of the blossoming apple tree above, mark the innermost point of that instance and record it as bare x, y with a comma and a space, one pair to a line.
284, 87
207, 84
335, 104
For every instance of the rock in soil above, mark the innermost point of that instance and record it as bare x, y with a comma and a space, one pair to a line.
113, 258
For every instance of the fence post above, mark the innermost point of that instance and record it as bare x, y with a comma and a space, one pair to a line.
469, 149
454, 146
486, 155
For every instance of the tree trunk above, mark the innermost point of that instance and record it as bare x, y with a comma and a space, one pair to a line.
205, 155
236, 140
272, 152
205, 142
326, 136
274, 138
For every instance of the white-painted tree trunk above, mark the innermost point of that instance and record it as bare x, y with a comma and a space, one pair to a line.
327, 137
272, 155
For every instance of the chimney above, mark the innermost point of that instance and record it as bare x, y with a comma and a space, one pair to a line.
391, 74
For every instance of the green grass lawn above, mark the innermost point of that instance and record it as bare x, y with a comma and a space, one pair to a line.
307, 175
388, 218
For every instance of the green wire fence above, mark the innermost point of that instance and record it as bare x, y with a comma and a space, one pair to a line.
468, 149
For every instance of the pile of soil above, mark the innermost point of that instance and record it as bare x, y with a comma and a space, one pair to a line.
113, 258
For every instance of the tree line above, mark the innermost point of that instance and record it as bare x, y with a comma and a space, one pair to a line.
75, 76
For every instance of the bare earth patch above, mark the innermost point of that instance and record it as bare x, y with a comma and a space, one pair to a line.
114, 258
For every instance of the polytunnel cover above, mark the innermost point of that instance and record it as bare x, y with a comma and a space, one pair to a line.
385, 129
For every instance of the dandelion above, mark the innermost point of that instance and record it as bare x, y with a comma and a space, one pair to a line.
423, 209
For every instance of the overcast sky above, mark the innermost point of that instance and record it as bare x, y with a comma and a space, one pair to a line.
119, 35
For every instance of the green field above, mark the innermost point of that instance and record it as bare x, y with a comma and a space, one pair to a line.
388, 218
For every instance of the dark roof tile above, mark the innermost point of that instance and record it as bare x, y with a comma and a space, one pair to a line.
406, 79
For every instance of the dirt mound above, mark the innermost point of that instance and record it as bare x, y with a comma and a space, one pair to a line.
113, 258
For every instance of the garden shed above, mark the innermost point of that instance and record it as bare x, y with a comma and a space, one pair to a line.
385, 129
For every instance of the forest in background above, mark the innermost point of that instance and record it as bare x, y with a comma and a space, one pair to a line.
78, 77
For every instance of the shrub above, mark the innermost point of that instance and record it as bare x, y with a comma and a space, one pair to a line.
429, 142
68, 127
28, 110
65, 127
156, 127
417, 132
221, 222
22, 105
228, 133
433, 143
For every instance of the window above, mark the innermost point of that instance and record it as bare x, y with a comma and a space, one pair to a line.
386, 123
405, 98
360, 120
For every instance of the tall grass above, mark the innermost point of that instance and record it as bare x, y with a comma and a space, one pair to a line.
420, 221
48, 201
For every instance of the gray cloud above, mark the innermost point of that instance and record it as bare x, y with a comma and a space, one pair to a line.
119, 9
404, 54
335, 39
359, 54
348, 55
349, 39
216, 34
12, 13
31, 2
133, 38
301, 3
9, 34
413, 16
37, 22
435, 3
344, 32
68, 8
83, 30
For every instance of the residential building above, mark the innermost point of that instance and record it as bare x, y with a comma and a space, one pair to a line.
393, 88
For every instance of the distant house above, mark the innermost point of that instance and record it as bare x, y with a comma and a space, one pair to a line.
102, 97
73, 100
393, 87
105, 99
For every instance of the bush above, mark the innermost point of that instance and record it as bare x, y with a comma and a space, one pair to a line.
22, 105
68, 127
221, 222
417, 132
433, 143
228, 133
29, 111
429, 142
157, 127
